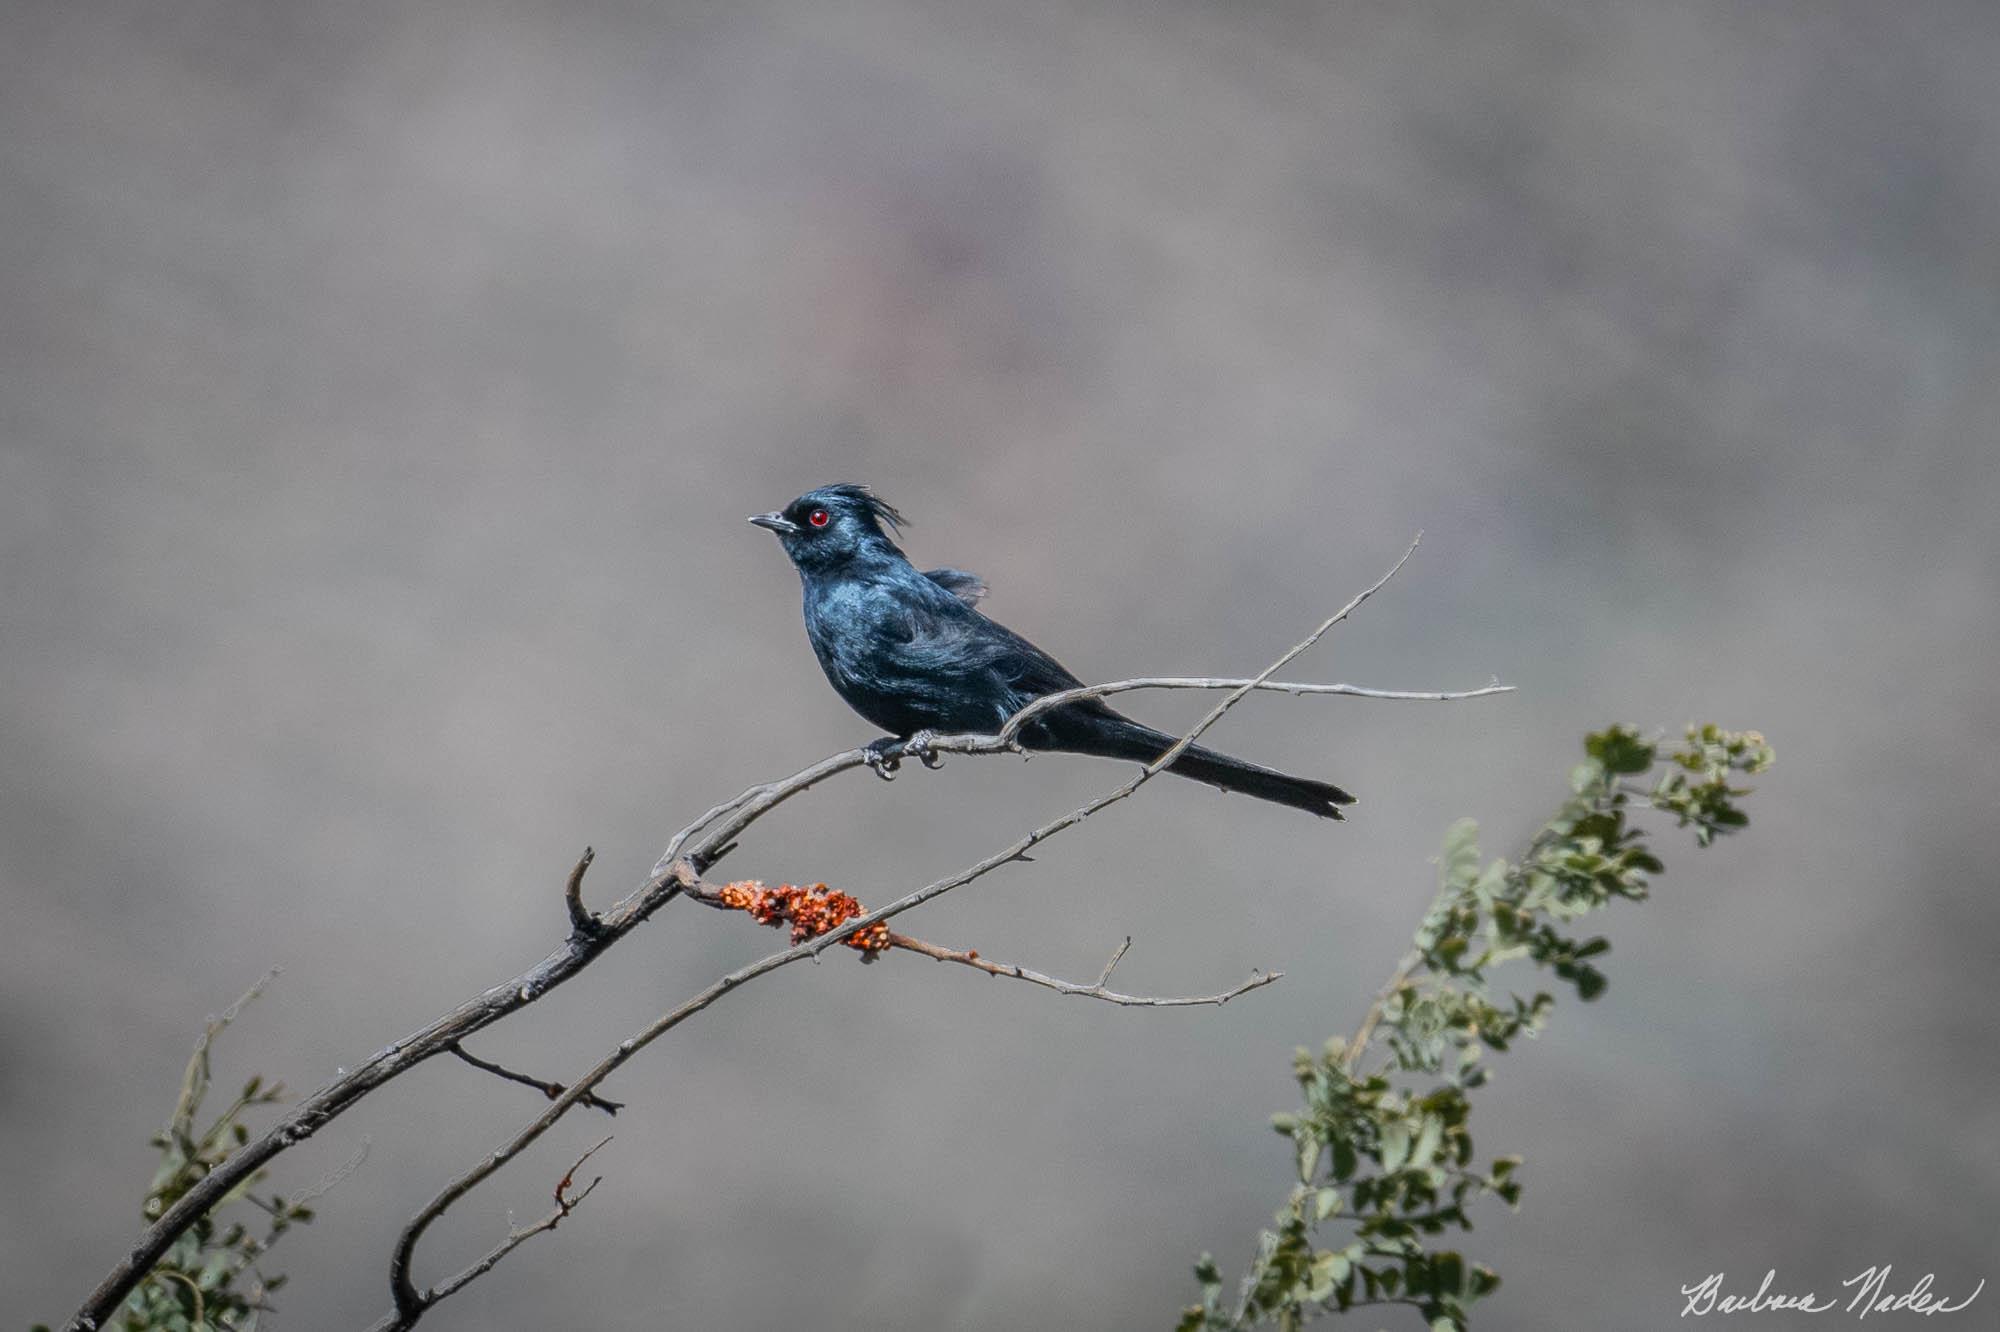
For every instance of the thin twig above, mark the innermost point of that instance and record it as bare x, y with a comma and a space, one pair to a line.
542, 1085
582, 921
1373, 1017
350, 1086
680, 838
1118, 955
195, 1077
1095, 990
326, 1182
409, 1304
565, 1204
714, 895
1405, 968
1280, 687
752, 804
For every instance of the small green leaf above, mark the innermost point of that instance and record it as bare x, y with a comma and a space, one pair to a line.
1620, 750
1326, 1271
1427, 1142
1309, 1150
1395, 1145
1459, 864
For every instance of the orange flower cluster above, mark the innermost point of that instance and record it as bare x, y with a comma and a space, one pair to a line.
810, 912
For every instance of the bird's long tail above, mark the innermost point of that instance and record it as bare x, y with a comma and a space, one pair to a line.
1109, 735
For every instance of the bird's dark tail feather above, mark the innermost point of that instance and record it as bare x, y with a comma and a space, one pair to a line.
1117, 737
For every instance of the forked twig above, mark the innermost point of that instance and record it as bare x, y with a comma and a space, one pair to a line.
542, 1085
565, 1204
1095, 990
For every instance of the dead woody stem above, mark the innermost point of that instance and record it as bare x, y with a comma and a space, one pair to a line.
689, 855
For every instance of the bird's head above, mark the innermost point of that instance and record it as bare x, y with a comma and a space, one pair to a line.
830, 526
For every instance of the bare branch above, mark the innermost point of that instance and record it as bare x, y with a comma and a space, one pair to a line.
325, 1183
409, 1304
780, 906
1276, 686
195, 1077
717, 830
565, 1204
279, 1206
1366, 1032
581, 920
768, 795
1118, 955
1095, 990
1405, 968
546, 1088
753, 804
351, 1086
730, 806
1238, 689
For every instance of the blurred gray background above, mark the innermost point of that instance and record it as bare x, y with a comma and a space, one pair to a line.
382, 388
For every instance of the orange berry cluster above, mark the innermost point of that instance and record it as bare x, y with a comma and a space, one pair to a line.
810, 912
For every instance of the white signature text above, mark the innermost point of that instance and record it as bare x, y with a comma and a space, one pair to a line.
1870, 1287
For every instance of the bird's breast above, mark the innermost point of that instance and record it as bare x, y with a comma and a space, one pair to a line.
900, 662
856, 635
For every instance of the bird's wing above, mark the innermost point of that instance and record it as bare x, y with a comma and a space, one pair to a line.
1031, 671
967, 587
961, 662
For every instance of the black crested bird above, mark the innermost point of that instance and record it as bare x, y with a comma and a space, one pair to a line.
909, 652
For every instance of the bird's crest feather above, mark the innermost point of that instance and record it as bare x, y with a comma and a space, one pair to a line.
869, 501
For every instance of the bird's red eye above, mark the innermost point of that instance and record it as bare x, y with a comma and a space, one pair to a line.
819, 517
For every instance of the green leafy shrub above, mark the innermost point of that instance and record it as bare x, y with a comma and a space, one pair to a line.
212, 1280
1388, 1152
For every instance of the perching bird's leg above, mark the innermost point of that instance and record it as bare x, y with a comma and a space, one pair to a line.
878, 757
918, 746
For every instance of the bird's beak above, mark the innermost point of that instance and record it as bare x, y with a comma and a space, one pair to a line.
777, 522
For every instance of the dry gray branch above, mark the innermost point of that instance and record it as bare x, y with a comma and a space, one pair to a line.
721, 899
1096, 990
542, 1085
592, 934
752, 804
565, 1204
711, 895
410, 1304
581, 920
348, 1088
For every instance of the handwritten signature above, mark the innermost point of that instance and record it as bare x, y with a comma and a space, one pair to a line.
1871, 1295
